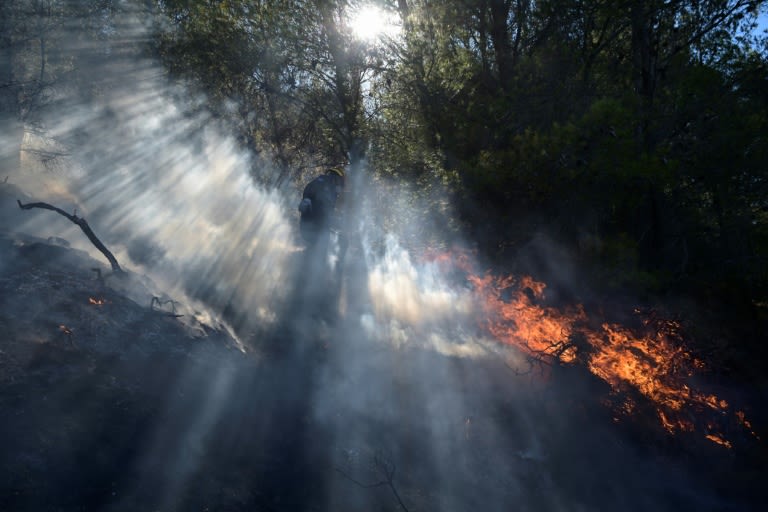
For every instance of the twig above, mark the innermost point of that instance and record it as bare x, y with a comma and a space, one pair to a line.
83, 225
359, 483
172, 313
161, 303
388, 470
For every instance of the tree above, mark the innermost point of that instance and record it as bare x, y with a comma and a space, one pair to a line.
293, 69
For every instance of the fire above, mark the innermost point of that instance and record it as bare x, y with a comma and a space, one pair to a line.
654, 363
745, 423
719, 440
515, 318
97, 302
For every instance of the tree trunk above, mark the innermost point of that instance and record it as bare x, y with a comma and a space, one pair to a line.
501, 40
644, 59
348, 87
644, 64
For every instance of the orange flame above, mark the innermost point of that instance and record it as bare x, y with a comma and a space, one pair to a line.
656, 364
514, 318
719, 440
745, 423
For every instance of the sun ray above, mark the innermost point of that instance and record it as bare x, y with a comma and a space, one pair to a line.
370, 22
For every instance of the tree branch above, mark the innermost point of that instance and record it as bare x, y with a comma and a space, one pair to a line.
387, 468
715, 21
83, 225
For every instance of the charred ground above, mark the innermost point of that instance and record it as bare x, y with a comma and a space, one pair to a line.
110, 403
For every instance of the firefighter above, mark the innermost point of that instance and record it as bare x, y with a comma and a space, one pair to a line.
322, 262
318, 207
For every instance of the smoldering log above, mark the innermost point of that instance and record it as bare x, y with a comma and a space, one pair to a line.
80, 221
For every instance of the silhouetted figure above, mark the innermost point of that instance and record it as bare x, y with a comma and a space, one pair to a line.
318, 207
319, 283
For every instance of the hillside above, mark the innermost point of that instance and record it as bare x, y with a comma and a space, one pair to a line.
111, 402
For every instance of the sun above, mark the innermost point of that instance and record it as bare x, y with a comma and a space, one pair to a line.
370, 22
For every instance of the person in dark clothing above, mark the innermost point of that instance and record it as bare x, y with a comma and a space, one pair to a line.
320, 269
318, 206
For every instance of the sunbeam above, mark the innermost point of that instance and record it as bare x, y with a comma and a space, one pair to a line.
235, 367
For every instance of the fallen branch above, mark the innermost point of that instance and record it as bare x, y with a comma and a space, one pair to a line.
161, 303
83, 225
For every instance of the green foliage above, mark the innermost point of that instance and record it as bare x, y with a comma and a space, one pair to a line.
286, 75
635, 130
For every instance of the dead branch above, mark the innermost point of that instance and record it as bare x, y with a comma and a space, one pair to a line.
80, 221
387, 468
359, 483
161, 303
170, 315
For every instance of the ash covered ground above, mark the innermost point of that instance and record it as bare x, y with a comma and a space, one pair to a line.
111, 402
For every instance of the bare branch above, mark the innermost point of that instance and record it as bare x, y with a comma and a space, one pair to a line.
83, 226
161, 303
359, 483
387, 468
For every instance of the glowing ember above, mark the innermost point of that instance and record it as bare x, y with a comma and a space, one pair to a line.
672, 425
745, 423
719, 440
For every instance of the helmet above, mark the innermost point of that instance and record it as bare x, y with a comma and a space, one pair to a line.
338, 173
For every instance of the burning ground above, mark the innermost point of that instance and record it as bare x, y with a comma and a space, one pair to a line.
647, 359
112, 401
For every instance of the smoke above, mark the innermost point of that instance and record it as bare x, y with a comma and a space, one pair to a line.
166, 189
389, 395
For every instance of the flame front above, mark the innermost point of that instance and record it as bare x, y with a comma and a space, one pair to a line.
652, 364
514, 318
655, 363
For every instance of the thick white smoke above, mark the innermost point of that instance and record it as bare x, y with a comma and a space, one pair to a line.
167, 190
